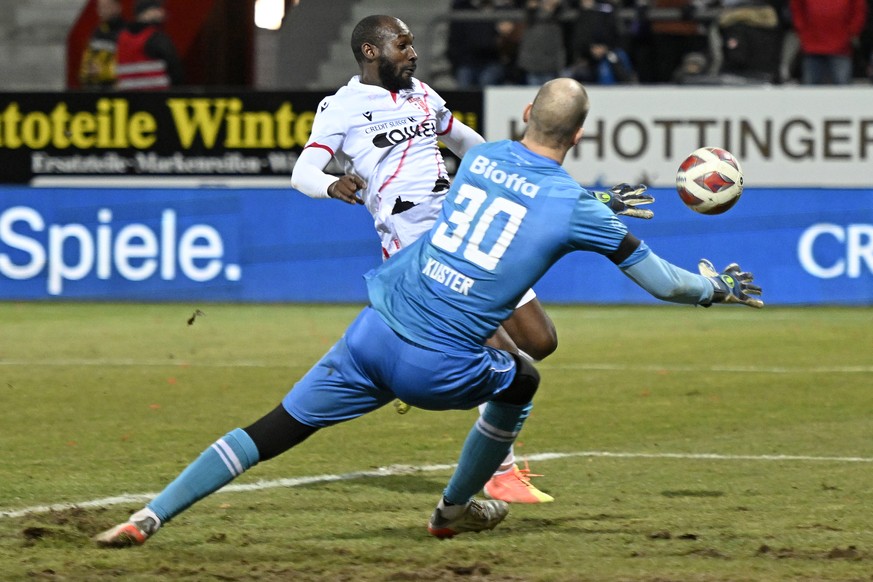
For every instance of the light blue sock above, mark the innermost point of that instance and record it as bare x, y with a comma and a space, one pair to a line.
485, 448
226, 459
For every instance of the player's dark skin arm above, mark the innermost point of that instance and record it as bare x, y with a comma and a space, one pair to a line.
529, 329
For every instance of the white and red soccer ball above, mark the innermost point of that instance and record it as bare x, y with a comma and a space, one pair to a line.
710, 180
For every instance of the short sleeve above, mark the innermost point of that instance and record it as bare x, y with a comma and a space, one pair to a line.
594, 227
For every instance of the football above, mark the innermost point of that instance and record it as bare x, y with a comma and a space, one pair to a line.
710, 180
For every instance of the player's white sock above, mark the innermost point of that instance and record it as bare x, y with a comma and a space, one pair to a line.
450, 510
144, 513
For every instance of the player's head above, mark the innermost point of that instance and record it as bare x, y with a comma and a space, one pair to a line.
151, 11
108, 9
556, 116
382, 46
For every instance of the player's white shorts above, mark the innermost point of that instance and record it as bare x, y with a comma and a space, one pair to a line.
528, 296
400, 230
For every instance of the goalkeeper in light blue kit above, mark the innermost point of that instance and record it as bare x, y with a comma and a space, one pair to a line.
511, 213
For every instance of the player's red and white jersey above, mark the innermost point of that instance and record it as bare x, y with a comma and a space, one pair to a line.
389, 140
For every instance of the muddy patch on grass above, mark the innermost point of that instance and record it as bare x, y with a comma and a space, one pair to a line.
851, 553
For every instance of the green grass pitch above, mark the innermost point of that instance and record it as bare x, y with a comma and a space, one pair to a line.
681, 444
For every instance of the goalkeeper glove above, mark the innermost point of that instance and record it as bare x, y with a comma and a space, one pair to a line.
731, 285
623, 198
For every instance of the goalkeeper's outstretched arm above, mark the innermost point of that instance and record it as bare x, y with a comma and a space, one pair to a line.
668, 282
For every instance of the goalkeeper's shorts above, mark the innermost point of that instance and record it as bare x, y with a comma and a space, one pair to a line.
371, 365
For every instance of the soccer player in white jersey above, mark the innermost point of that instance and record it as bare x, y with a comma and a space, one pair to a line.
512, 213
383, 128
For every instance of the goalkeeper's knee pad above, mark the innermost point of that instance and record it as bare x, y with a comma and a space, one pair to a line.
523, 386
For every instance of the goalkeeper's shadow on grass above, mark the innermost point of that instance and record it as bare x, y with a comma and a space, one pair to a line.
566, 524
415, 483
520, 520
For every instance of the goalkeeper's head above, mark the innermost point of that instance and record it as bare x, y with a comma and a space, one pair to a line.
555, 118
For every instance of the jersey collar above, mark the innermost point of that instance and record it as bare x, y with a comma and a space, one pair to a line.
527, 155
356, 84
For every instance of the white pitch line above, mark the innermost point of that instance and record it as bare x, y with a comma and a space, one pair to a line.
410, 469
123, 362
738, 369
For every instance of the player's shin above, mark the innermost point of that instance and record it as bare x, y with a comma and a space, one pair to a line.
226, 459
486, 446
509, 460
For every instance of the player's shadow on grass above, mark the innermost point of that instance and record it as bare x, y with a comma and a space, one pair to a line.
515, 524
407, 483
572, 524
412, 483
521, 518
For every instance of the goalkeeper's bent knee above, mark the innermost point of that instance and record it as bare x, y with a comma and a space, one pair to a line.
523, 386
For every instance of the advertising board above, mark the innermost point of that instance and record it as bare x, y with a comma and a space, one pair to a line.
173, 138
206, 244
810, 246
783, 136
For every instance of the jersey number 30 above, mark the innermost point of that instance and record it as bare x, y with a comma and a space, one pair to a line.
462, 220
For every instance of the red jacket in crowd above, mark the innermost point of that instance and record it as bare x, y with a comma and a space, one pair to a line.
827, 27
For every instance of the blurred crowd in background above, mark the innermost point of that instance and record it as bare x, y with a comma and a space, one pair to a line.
695, 42
130, 56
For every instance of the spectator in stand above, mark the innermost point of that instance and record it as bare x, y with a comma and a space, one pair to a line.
597, 56
827, 29
510, 32
542, 55
866, 45
746, 42
694, 70
672, 37
147, 58
480, 49
97, 70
